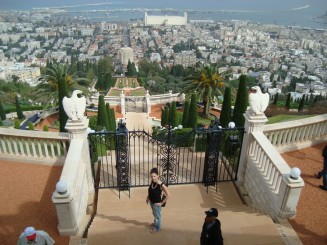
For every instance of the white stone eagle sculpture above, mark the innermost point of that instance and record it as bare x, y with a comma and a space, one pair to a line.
258, 101
75, 106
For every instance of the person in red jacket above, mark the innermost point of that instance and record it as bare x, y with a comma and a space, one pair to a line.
211, 232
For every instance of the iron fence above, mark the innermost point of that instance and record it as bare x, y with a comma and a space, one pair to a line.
123, 159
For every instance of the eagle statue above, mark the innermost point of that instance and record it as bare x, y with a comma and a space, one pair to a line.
75, 106
258, 101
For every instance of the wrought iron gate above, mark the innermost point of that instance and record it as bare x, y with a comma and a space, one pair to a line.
123, 159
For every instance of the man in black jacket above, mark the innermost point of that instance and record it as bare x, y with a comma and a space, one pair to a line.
211, 232
323, 172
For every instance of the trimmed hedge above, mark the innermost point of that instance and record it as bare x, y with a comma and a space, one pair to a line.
183, 137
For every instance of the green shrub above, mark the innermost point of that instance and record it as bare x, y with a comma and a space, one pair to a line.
183, 137
1, 123
201, 142
30, 126
93, 122
46, 128
17, 124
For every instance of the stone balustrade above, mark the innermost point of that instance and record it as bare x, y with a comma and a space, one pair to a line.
33, 146
297, 134
268, 181
72, 206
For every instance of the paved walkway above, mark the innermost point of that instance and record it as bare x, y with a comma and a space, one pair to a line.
127, 221
310, 222
138, 121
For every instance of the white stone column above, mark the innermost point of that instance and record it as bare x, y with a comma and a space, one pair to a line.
122, 103
77, 130
253, 123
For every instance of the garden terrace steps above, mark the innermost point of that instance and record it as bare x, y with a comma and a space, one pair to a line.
127, 220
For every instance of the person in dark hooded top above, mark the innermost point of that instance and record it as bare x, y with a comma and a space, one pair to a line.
211, 232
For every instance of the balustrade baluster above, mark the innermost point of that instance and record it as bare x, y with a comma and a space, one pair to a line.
45, 145
52, 148
27, 146
58, 149
33, 148
4, 147
16, 152
39, 148
9, 145
21, 147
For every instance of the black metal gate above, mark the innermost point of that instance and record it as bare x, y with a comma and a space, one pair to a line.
123, 159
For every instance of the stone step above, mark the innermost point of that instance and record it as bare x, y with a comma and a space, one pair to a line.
127, 220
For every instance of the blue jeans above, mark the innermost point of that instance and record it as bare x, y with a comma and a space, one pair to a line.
156, 211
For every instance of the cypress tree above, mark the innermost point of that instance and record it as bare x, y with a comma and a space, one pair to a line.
288, 101
2, 112
110, 126
103, 122
173, 115
226, 110
163, 116
185, 113
113, 119
193, 112
62, 92
241, 102
20, 114
275, 102
301, 105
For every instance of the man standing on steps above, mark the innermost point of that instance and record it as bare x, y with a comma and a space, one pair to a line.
211, 232
323, 172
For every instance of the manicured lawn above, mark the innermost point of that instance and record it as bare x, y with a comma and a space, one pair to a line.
285, 118
205, 121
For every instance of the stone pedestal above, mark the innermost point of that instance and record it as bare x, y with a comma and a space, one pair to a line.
67, 223
253, 123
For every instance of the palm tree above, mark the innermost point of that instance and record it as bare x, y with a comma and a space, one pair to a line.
47, 90
207, 82
55, 85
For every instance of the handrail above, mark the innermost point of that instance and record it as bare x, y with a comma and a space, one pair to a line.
33, 146
293, 133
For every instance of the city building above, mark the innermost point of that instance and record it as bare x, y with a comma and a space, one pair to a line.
150, 20
125, 55
185, 58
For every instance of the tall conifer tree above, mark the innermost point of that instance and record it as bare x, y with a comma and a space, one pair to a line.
193, 112
19, 111
241, 102
226, 110
103, 122
186, 113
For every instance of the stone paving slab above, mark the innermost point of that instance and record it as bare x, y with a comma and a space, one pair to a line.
127, 220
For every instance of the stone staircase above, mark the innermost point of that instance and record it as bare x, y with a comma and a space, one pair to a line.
127, 220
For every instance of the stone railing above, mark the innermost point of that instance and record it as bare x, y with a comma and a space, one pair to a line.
33, 146
263, 174
298, 134
267, 180
74, 194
